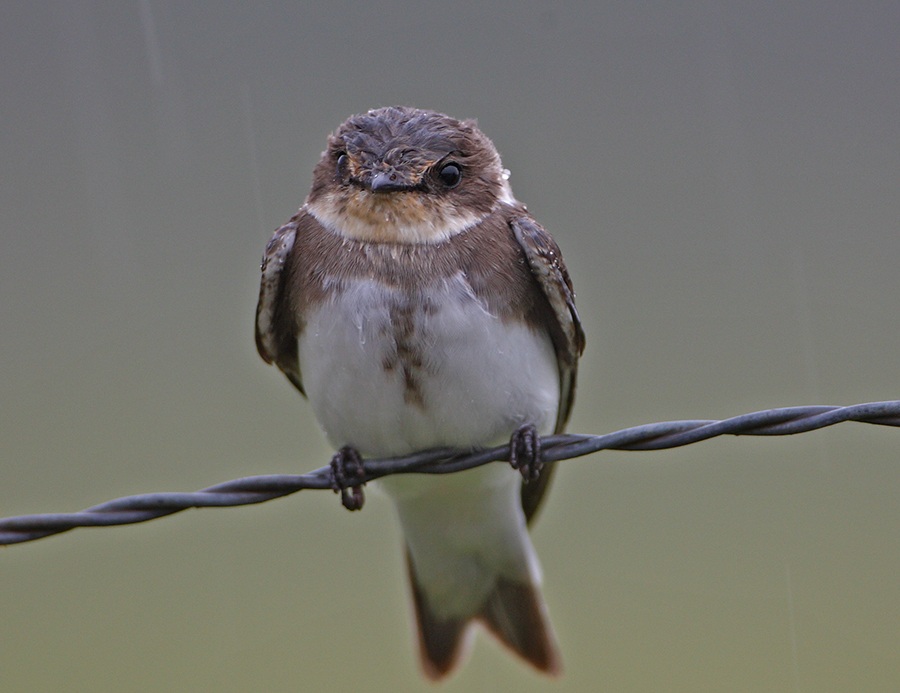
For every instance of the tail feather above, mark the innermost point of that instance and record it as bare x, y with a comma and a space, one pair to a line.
514, 612
439, 639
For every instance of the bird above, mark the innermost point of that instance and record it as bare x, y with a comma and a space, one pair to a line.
417, 304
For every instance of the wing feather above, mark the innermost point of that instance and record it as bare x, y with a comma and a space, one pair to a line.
547, 267
276, 328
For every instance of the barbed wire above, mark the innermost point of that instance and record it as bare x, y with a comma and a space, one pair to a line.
258, 489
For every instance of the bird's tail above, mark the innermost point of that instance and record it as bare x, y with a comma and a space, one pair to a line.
470, 560
513, 611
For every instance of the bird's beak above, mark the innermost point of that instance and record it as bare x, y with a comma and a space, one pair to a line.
389, 181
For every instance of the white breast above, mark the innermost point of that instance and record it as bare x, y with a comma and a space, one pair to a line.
480, 377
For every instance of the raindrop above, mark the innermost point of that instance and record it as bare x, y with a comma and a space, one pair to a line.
151, 42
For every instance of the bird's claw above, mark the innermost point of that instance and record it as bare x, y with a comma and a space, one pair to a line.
348, 475
525, 452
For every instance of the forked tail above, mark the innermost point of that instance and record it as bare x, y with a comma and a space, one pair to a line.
513, 611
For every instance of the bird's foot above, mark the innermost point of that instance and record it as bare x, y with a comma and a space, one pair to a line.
348, 475
525, 452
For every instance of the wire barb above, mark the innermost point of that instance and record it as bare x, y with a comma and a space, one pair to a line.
259, 489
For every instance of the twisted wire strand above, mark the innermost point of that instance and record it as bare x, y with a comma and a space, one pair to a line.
258, 489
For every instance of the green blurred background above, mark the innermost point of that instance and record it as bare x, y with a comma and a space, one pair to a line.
723, 180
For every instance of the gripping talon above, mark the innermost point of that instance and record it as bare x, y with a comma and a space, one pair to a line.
525, 452
348, 475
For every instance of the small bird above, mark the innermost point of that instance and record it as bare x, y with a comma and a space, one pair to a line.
418, 305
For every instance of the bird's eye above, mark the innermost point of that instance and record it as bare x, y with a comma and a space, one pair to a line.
450, 175
342, 162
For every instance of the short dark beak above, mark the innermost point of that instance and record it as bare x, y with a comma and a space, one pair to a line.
384, 182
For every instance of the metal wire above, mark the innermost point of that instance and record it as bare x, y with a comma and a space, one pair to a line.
258, 489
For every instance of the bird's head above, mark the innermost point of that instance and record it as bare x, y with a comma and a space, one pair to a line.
403, 175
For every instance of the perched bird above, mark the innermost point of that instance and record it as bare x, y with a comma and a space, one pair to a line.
417, 304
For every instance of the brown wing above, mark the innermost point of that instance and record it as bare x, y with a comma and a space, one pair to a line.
276, 326
547, 267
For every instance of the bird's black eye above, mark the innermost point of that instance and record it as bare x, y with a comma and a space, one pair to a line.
342, 162
450, 175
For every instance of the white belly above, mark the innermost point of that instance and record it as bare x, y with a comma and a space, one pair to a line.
480, 377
